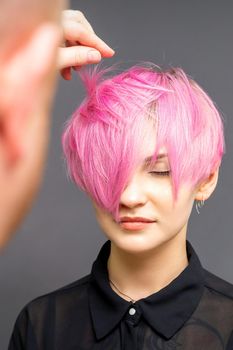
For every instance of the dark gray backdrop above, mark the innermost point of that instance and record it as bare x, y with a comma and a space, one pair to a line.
60, 238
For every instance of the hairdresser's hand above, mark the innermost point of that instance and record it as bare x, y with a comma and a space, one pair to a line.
81, 44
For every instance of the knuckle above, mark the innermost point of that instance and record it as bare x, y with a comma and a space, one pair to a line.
67, 13
73, 14
77, 57
79, 14
74, 29
70, 25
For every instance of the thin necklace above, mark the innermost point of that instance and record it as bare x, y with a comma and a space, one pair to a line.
132, 300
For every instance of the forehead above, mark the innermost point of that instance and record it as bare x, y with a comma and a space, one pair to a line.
149, 145
149, 148
161, 155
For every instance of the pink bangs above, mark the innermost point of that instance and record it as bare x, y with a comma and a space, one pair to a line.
105, 138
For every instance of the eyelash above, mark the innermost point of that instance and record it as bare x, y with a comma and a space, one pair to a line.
160, 173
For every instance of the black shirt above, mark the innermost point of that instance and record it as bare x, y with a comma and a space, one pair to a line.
193, 312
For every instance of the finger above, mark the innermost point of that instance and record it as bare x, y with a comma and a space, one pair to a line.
77, 68
70, 43
74, 31
77, 16
66, 73
77, 56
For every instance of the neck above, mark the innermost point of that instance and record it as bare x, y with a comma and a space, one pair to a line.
141, 276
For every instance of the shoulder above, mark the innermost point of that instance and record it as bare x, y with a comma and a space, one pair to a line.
217, 305
77, 285
44, 310
218, 285
75, 292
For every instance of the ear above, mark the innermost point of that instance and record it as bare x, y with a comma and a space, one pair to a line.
22, 75
207, 187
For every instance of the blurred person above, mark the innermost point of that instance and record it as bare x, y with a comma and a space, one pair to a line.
144, 145
37, 40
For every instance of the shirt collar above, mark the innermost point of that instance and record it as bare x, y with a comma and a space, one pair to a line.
166, 310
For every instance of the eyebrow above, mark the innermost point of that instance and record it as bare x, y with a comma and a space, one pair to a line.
159, 156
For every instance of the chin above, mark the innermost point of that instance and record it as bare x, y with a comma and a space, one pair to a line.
135, 242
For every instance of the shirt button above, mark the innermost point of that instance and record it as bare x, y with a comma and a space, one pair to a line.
132, 311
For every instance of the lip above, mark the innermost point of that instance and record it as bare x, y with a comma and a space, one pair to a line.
135, 219
135, 225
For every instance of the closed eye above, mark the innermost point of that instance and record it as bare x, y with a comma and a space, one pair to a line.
160, 173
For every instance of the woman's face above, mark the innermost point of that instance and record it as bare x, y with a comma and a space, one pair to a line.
149, 195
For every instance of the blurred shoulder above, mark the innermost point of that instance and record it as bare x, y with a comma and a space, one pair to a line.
38, 317
218, 285
69, 294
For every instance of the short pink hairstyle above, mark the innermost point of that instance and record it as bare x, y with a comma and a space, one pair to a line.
103, 142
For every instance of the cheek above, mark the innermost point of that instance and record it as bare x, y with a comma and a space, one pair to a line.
106, 224
183, 206
161, 195
168, 209
103, 219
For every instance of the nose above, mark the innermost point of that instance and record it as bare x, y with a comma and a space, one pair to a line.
134, 194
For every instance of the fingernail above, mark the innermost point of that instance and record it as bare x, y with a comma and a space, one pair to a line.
111, 49
93, 56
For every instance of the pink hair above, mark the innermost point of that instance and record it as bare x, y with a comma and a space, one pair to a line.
104, 140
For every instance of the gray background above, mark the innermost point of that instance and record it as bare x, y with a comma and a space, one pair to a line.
60, 238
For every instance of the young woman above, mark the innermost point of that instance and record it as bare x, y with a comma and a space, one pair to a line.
144, 145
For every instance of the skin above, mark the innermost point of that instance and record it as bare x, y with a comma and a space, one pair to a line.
81, 45
26, 96
143, 262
